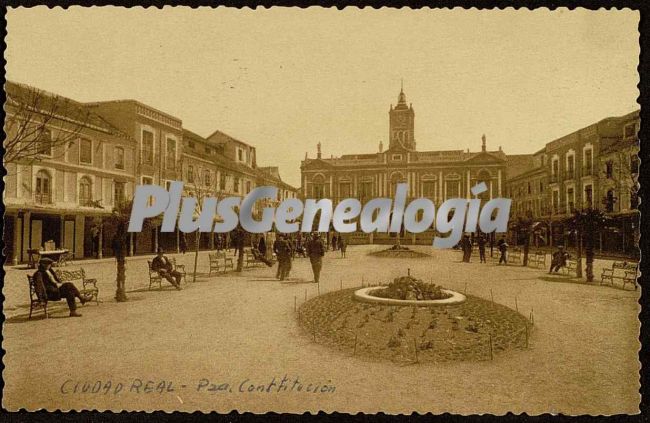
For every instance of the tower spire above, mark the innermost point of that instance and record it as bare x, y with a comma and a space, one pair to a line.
402, 86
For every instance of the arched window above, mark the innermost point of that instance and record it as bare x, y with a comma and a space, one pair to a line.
85, 192
43, 188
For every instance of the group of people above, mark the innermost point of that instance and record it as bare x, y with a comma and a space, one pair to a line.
338, 243
558, 258
284, 249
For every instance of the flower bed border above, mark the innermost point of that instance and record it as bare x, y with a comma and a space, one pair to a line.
363, 295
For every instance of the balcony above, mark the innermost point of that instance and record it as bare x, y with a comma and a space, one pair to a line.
555, 179
587, 171
42, 198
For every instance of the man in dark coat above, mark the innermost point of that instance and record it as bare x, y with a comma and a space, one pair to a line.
481, 248
165, 269
466, 245
261, 246
284, 257
316, 251
558, 259
502, 245
46, 284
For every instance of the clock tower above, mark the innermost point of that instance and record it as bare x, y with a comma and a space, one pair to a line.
402, 123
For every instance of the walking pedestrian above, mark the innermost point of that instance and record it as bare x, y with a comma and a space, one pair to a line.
502, 245
334, 241
95, 241
316, 251
466, 245
481, 248
342, 246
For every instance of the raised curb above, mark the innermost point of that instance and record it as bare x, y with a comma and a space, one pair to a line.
364, 296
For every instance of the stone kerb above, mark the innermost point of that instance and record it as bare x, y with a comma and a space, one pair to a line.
364, 295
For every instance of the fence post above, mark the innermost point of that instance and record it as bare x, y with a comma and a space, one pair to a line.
491, 353
526, 334
415, 344
516, 305
305, 295
356, 335
491, 296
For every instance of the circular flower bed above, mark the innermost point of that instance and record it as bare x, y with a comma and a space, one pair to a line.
410, 288
473, 330
398, 251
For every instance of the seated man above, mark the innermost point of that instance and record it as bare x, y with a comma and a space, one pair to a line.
47, 287
165, 269
258, 256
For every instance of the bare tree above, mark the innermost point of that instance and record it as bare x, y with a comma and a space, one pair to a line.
203, 184
38, 122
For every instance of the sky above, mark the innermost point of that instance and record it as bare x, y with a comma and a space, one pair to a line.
284, 79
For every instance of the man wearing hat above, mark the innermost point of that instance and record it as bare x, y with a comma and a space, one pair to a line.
316, 251
165, 269
48, 285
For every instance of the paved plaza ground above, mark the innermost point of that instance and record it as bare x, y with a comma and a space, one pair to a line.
240, 330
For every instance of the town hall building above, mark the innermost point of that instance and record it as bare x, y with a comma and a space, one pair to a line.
437, 175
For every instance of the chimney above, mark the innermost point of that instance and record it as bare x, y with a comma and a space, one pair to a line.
483, 147
318, 155
381, 146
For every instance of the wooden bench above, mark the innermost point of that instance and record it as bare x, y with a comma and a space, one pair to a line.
514, 255
154, 276
180, 268
65, 259
34, 300
537, 259
571, 267
250, 260
89, 285
627, 272
219, 262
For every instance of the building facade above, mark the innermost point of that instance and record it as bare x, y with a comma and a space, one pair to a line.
437, 175
70, 187
66, 194
596, 166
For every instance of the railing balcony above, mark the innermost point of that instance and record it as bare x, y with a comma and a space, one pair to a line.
42, 198
587, 171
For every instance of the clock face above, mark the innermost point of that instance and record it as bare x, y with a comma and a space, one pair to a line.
401, 119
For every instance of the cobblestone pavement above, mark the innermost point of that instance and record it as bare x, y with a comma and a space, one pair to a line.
237, 330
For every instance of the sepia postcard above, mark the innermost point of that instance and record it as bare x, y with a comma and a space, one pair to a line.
300, 210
